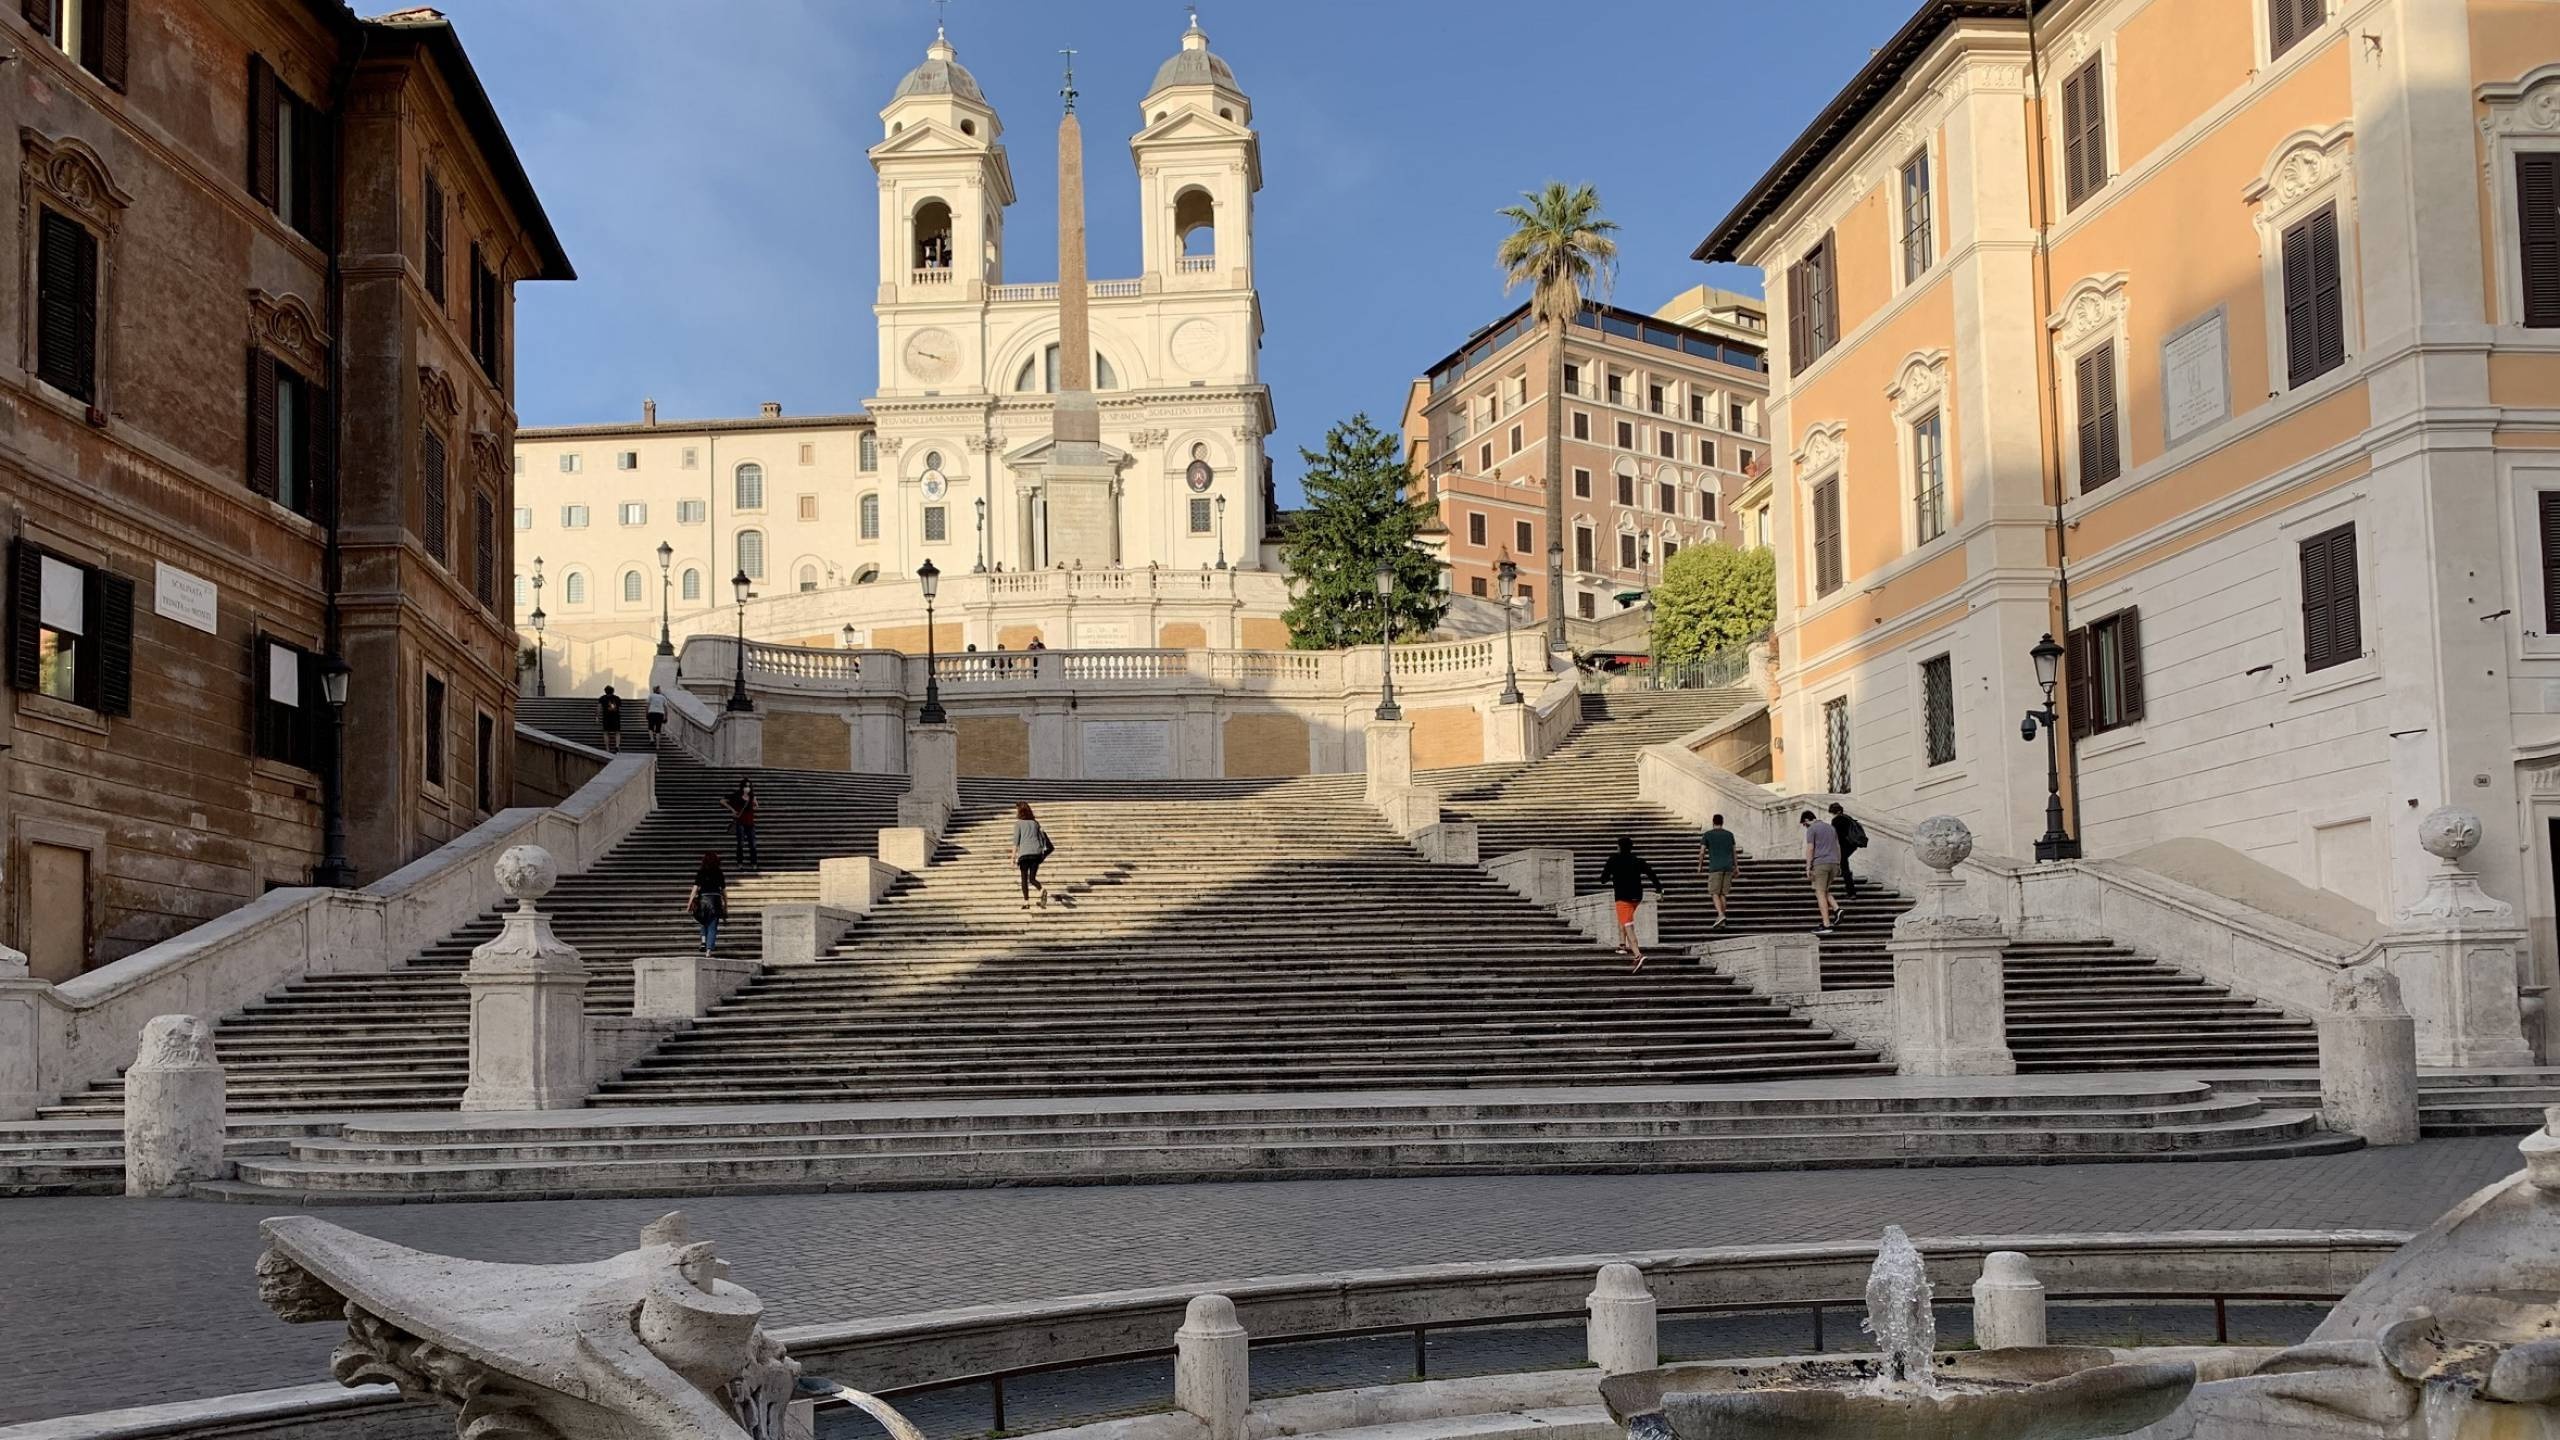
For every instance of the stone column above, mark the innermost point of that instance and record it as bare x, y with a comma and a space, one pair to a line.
1389, 759
1622, 1334
1212, 1378
2369, 1059
529, 1043
933, 777
22, 1086
173, 1109
1950, 1016
2008, 1303
2454, 953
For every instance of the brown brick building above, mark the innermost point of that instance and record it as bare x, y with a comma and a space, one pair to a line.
259, 416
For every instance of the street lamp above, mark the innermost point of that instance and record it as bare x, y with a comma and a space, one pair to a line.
1222, 532
930, 577
738, 682
1508, 572
1387, 707
538, 618
982, 534
666, 591
848, 636
335, 872
2056, 843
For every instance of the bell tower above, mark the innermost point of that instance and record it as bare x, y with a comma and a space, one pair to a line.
1199, 165
944, 185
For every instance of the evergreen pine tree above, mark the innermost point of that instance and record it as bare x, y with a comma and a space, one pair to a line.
1358, 514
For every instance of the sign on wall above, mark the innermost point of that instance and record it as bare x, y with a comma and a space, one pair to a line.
191, 600
2195, 377
1128, 749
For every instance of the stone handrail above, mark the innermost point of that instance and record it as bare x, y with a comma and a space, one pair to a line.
57, 1038
1559, 709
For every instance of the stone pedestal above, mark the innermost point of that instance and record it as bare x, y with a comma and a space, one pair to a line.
906, 847
684, 987
21, 1006
1950, 1014
2369, 1059
1782, 967
933, 765
1596, 916
1543, 875
529, 1041
1622, 1338
2008, 1303
2454, 954
799, 934
1509, 731
1447, 842
173, 1109
855, 882
1212, 1380
1389, 759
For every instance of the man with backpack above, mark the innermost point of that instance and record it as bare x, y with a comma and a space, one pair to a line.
609, 720
1853, 838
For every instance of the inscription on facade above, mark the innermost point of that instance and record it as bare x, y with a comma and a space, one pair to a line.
1128, 749
2195, 377
191, 600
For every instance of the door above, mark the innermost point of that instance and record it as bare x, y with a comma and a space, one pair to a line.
57, 891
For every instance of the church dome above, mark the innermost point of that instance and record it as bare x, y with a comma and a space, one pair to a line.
940, 74
1194, 64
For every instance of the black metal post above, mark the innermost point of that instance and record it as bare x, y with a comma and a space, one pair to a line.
738, 680
932, 713
1222, 532
2056, 843
1388, 709
666, 594
336, 872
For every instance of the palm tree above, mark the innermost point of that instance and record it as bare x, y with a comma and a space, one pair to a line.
1559, 246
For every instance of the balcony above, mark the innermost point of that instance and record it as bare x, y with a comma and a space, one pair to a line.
1194, 264
933, 275
1048, 290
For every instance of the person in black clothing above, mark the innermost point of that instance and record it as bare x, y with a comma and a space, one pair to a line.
1853, 838
741, 805
1626, 874
708, 902
609, 720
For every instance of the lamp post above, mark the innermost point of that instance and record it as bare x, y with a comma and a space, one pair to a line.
1387, 707
930, 577
848, 636
982, 534
335, 872
1508, 573
738, 681
1222, 532
666, 593
2056, 843
537, 618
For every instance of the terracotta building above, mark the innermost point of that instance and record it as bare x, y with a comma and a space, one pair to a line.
1662, 421
258, 418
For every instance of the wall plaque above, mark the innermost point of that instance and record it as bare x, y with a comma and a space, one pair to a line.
2195, 378
1128, 749
191, 600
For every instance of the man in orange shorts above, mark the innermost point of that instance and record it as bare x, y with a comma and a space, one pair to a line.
1626, 874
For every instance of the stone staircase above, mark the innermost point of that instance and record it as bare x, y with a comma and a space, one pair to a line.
2073, 1006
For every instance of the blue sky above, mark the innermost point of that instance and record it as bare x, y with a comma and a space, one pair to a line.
709, 179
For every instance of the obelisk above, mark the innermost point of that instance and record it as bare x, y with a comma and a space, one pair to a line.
1080, 477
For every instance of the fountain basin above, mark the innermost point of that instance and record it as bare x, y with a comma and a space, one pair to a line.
2055, 1392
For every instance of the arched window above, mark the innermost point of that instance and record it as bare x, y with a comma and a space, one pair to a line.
1039, 373
871, 516
808, 577
631, 587
870, 451
933, 236
692, 584
750, 486
1195, 227
575, 588
751, 553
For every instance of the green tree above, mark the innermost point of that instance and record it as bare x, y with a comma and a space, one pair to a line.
1711, 597
1559, 247
1359, 513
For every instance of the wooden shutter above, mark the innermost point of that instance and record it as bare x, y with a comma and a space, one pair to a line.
2128, 625
107, 42
2093, 383
2084, 130
2315, 315
2538, 230
2549, 501
2080, 688
434, 253
315, 174
484, 549
39, 14
110, 601
1796, 328
2298, 325
431, 485
262, 130
262, 424
320, 454
2332, 602
67, 305
1826, 536
2288, 21
26, 610
2071, 104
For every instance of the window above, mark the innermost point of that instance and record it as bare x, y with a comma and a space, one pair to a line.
485, 770
2315, 316
808, 453
751, 553
1835, 745
434, 722
435, 505
1706, 452
1582, 548
574, 589
750, 487
808, 507
1582, 484
1626, 489
2084, 133
91, 32
524, 517
2332, 603
1515, 439
2549, 503
1813, 315
520, 593
290, 428
1200, 520
1742, 459
1697, 409
1626, 436
572, 462
1484, 457
1928, 478
1572, 377
2093, 387
688, 458
1669, 549
1826, 536
2105, 657
67, 305
1039, 373
937, 524
1938, 709
1475, 527
1706, 504
1475, 585
1617, 389
2538, 235
573, 517
691, 586
1654, 399
1626, 552
519, 462
808, 578
1916, 244
1581, 425
631, 594
292, 164
871, 516
1586, 604
867, 452
692, 512
432, 262
484, 550
1528, 595
1666, 498
488, 326
70, 631
1738, 418
287, 725
1666, 444
1521, 537
632, 512
2289, 20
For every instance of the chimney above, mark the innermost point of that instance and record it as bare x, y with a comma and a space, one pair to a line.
648, 412
773, 409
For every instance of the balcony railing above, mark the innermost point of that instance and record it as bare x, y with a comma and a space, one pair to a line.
1048, 290
933, 275
1195, 264
1116, 289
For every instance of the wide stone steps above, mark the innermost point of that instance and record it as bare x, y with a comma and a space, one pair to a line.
2450, 1102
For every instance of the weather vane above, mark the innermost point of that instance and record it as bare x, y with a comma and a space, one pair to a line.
941, 12
1070, 90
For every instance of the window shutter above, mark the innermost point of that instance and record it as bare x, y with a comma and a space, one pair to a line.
67, 305
1796, 329
2328, 300
111, 603
1826, 537
24, 611
262, 424
2300, 364
2080, 688
484, 549
262, 130
39, 14
2550, 502
109, 42
2128, 625
2084, 392
434, 505
2110, 426
2317, 599
320, 453
2071, 140
2538, 228
2332, 610
317, 168
434, 260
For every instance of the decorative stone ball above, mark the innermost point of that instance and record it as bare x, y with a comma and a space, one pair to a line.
1942, 842
2448, 833
527, 872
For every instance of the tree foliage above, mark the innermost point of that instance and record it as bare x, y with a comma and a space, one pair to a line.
1358, 514
1711, 597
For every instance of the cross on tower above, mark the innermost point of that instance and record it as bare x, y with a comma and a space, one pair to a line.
1070, 90
941, 12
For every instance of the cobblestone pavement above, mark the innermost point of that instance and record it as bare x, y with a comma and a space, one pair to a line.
129, 1302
